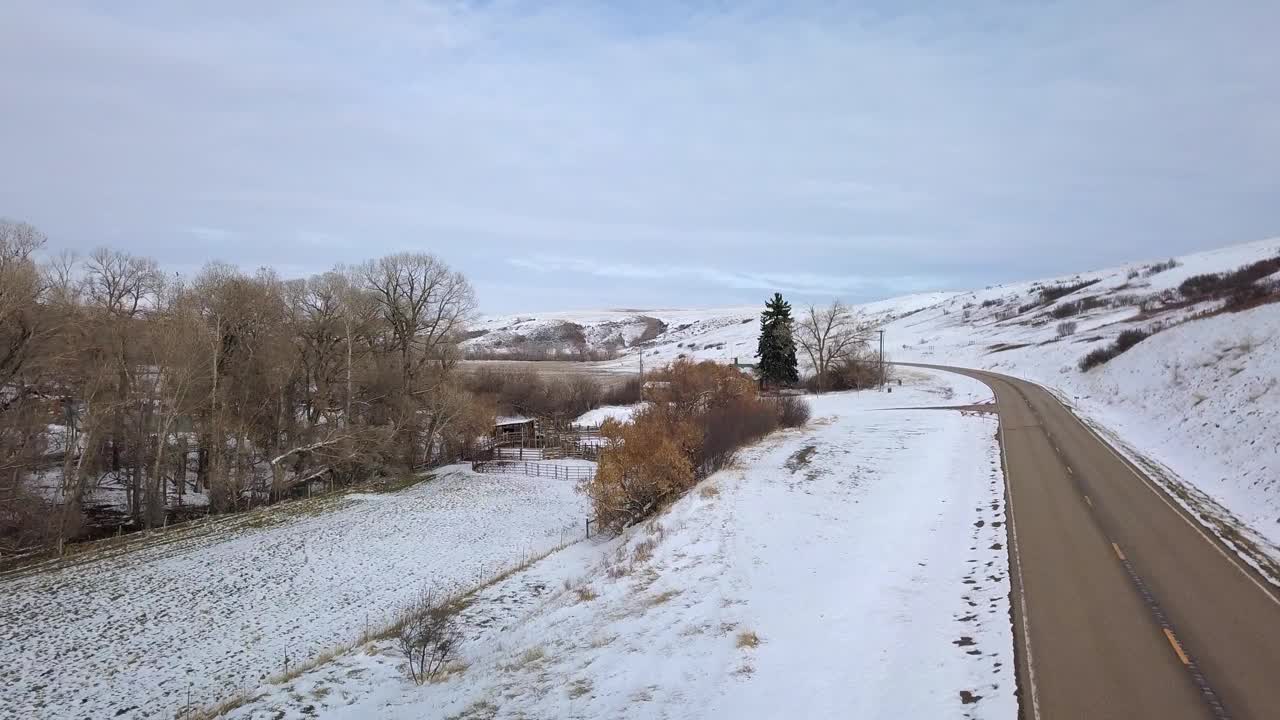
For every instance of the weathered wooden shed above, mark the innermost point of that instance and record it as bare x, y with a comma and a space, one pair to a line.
515, 429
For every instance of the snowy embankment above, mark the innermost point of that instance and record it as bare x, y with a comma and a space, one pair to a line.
852, 568
198, 614
1201, 399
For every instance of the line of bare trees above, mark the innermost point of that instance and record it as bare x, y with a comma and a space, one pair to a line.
226, 389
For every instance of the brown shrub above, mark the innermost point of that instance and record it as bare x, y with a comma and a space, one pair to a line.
525, 392
853, 373
628, 393
731, 425
701, 413
1251, 295
1237, 281
1123, 342
688, 386
1049, 294
793, 411
643, 463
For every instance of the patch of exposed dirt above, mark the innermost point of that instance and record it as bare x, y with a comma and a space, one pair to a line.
1002, 347
800, 458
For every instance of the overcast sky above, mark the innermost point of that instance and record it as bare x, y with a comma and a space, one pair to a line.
646, 153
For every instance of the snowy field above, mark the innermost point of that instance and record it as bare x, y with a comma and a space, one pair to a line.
593, 418
205, 613
853, 568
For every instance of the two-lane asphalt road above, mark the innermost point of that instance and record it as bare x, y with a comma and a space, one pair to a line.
1124, 606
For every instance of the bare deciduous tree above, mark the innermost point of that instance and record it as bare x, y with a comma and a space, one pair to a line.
21, 286
112, 375
828, 335
425, 305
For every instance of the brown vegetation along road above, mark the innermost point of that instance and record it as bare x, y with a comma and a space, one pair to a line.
1124, 606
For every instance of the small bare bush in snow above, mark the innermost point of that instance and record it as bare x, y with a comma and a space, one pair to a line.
1066, 328
643, 551
793, 411
428, 636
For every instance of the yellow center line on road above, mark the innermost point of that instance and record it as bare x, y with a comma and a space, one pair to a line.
1177, 646
1119, 554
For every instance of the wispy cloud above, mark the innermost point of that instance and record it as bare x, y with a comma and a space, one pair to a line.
806, 284
830, 147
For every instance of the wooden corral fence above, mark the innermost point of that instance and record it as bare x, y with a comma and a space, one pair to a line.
534, 469
553, 444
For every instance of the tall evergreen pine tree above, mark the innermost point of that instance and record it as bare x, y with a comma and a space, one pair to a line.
777, 348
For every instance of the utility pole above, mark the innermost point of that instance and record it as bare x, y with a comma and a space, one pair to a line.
881, 359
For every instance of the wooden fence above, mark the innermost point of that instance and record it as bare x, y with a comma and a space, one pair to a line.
534, 469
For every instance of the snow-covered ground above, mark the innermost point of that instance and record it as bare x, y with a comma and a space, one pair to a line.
852, 568
205, 610
1198, 402
593, 418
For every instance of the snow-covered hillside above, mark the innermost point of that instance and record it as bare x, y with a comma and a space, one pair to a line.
661, 335
607, 332
852, 568
1199, 398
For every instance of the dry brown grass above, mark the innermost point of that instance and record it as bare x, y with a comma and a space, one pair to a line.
450, 671
643, 551
586, 594
529, 657
600, 641
579, 687
662, 598
478, 710
747, 639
